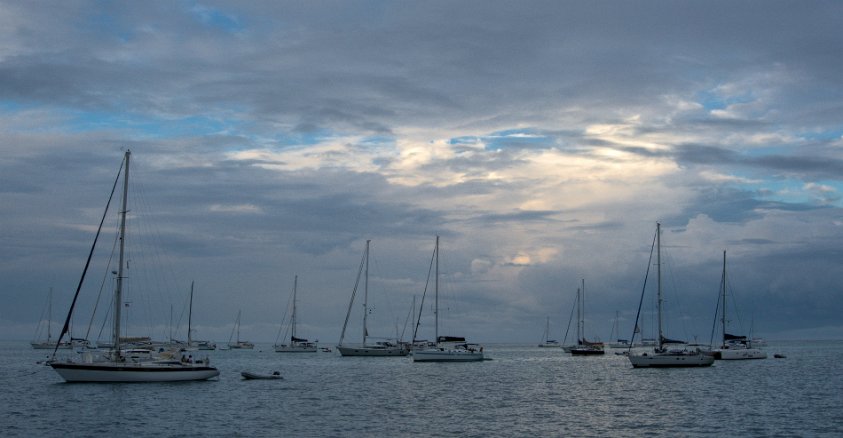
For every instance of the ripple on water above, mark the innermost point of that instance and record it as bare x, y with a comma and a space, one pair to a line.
525, 391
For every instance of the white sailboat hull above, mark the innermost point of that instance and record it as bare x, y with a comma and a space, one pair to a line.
295, 349
446, 355
50, 345
670, 360
739, 354
242, 346
121, 372
372, 351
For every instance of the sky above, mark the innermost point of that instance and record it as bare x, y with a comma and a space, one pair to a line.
542, 142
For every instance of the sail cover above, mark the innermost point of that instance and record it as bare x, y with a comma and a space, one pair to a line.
295, 339
728, 337
450, 339
671, 341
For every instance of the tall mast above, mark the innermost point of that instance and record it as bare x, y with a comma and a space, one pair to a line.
659, 276
238, 327
582, 315
170, 326
118, 292
190, 317
50, 314
579, 317
436, 306
366, 296
723, 284
293, 319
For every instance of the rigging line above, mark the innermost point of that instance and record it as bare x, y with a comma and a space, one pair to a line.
641, 300
570, 318
716, 312
380, 285
735, 306
66, 326
353, 294
41, 318
407, 319
426, 285
157, 276
105, 318
185, 308
283, 324
102, 285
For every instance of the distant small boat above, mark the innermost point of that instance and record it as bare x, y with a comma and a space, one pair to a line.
49, 343
326, 349
238, 344
546, 341
584, 347
616, 333
779, 356
248, 375
296, 345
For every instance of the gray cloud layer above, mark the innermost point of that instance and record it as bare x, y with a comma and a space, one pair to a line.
542, 141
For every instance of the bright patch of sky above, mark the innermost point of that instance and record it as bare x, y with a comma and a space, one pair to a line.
799, 192
148, 127
834, 134
213, 17
719, 99
511, 138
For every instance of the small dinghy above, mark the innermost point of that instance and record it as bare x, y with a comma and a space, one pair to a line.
779, 356
248, 375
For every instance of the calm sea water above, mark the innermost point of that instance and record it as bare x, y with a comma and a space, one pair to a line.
523, 391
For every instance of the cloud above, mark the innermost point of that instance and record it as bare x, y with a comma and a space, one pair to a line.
541, 143
242, 208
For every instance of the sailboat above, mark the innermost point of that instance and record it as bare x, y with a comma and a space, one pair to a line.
118, 365
616, 333
238, 344
565, 346
192, 344
546, 341
734, 347
447, 348
661, 356
584, 347
49, 343
296, 345
380, 348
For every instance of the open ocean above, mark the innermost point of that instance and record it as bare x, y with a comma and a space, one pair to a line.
523, 391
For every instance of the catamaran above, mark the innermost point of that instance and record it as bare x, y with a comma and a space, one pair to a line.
117, 364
